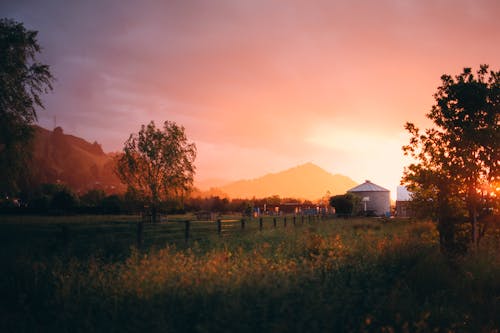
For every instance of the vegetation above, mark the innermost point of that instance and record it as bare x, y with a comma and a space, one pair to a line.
157, 165
341, 275
84, 273
344, 204
23, 79
456, 173
41, 200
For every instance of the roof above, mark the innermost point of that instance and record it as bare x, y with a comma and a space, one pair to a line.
402, 194
368, 186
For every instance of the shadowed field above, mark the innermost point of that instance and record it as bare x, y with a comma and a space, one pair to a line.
335, 275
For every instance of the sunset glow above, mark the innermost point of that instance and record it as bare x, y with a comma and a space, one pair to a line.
259, 86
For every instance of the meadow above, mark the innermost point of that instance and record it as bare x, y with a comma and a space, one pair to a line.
335, 275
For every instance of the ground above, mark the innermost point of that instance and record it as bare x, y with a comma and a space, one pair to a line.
329, 275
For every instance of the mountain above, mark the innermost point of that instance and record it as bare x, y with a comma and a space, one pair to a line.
307, 181
67, 159
206, 184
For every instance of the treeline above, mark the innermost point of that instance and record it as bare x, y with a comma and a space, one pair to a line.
58, 199
245, 206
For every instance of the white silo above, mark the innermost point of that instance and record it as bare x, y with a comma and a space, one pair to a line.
374, 198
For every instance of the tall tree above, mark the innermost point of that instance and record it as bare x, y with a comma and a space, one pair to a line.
457, 166
157, 164
23, 79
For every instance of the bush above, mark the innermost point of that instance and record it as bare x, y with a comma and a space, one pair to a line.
64, 200
112, 204
344, 204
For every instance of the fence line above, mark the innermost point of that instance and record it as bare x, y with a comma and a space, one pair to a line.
178, 231
224, 227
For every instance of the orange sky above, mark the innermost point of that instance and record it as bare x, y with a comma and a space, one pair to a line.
260, 86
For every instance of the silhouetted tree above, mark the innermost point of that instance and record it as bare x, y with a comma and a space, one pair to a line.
22, 82
457, 160
92, 198
248, 209
91, 201
237, 205
112, 204
157, 164
64, 200
344, 204
51, 197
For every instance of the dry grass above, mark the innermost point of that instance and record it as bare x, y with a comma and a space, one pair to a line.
343, 276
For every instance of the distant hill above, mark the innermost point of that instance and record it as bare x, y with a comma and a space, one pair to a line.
67, 159
206, 184
307, 181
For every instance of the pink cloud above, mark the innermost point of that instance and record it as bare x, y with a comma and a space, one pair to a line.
254, 76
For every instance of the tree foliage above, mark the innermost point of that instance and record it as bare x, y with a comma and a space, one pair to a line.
23, 79
344, 204
158, 164
457, 160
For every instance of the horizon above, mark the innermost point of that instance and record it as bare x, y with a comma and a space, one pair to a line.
219, 184
259, 87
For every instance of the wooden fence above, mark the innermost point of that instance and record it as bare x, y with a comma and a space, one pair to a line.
116, 236
196, 230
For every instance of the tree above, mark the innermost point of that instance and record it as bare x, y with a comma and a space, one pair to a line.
92, 198
22, 82
51, 196
457, 160
157, 164
344, 204
64, 200
112, 204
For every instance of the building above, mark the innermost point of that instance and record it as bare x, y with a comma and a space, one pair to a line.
403, 199
375, 200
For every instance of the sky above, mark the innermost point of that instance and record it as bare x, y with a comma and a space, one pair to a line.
260, 85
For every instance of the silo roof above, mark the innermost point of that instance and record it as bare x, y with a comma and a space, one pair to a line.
368, 186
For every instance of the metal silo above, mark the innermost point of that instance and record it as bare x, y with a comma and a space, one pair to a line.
374, 198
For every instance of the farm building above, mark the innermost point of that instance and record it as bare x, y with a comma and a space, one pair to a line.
375, 200
403, 200
295, 208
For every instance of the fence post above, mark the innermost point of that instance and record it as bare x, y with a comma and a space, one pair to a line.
140, 234
187, 225
242, 224
284, 221
309, 218
219, 227
302, 219
294, 220
260, 224
274, 222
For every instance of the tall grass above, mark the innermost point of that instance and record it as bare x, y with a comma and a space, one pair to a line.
340, 276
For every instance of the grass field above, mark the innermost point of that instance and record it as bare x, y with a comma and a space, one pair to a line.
337, 275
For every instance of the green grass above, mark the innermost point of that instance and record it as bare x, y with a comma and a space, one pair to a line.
337, 275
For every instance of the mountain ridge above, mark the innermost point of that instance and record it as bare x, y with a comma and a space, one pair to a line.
305, 181
71, 160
